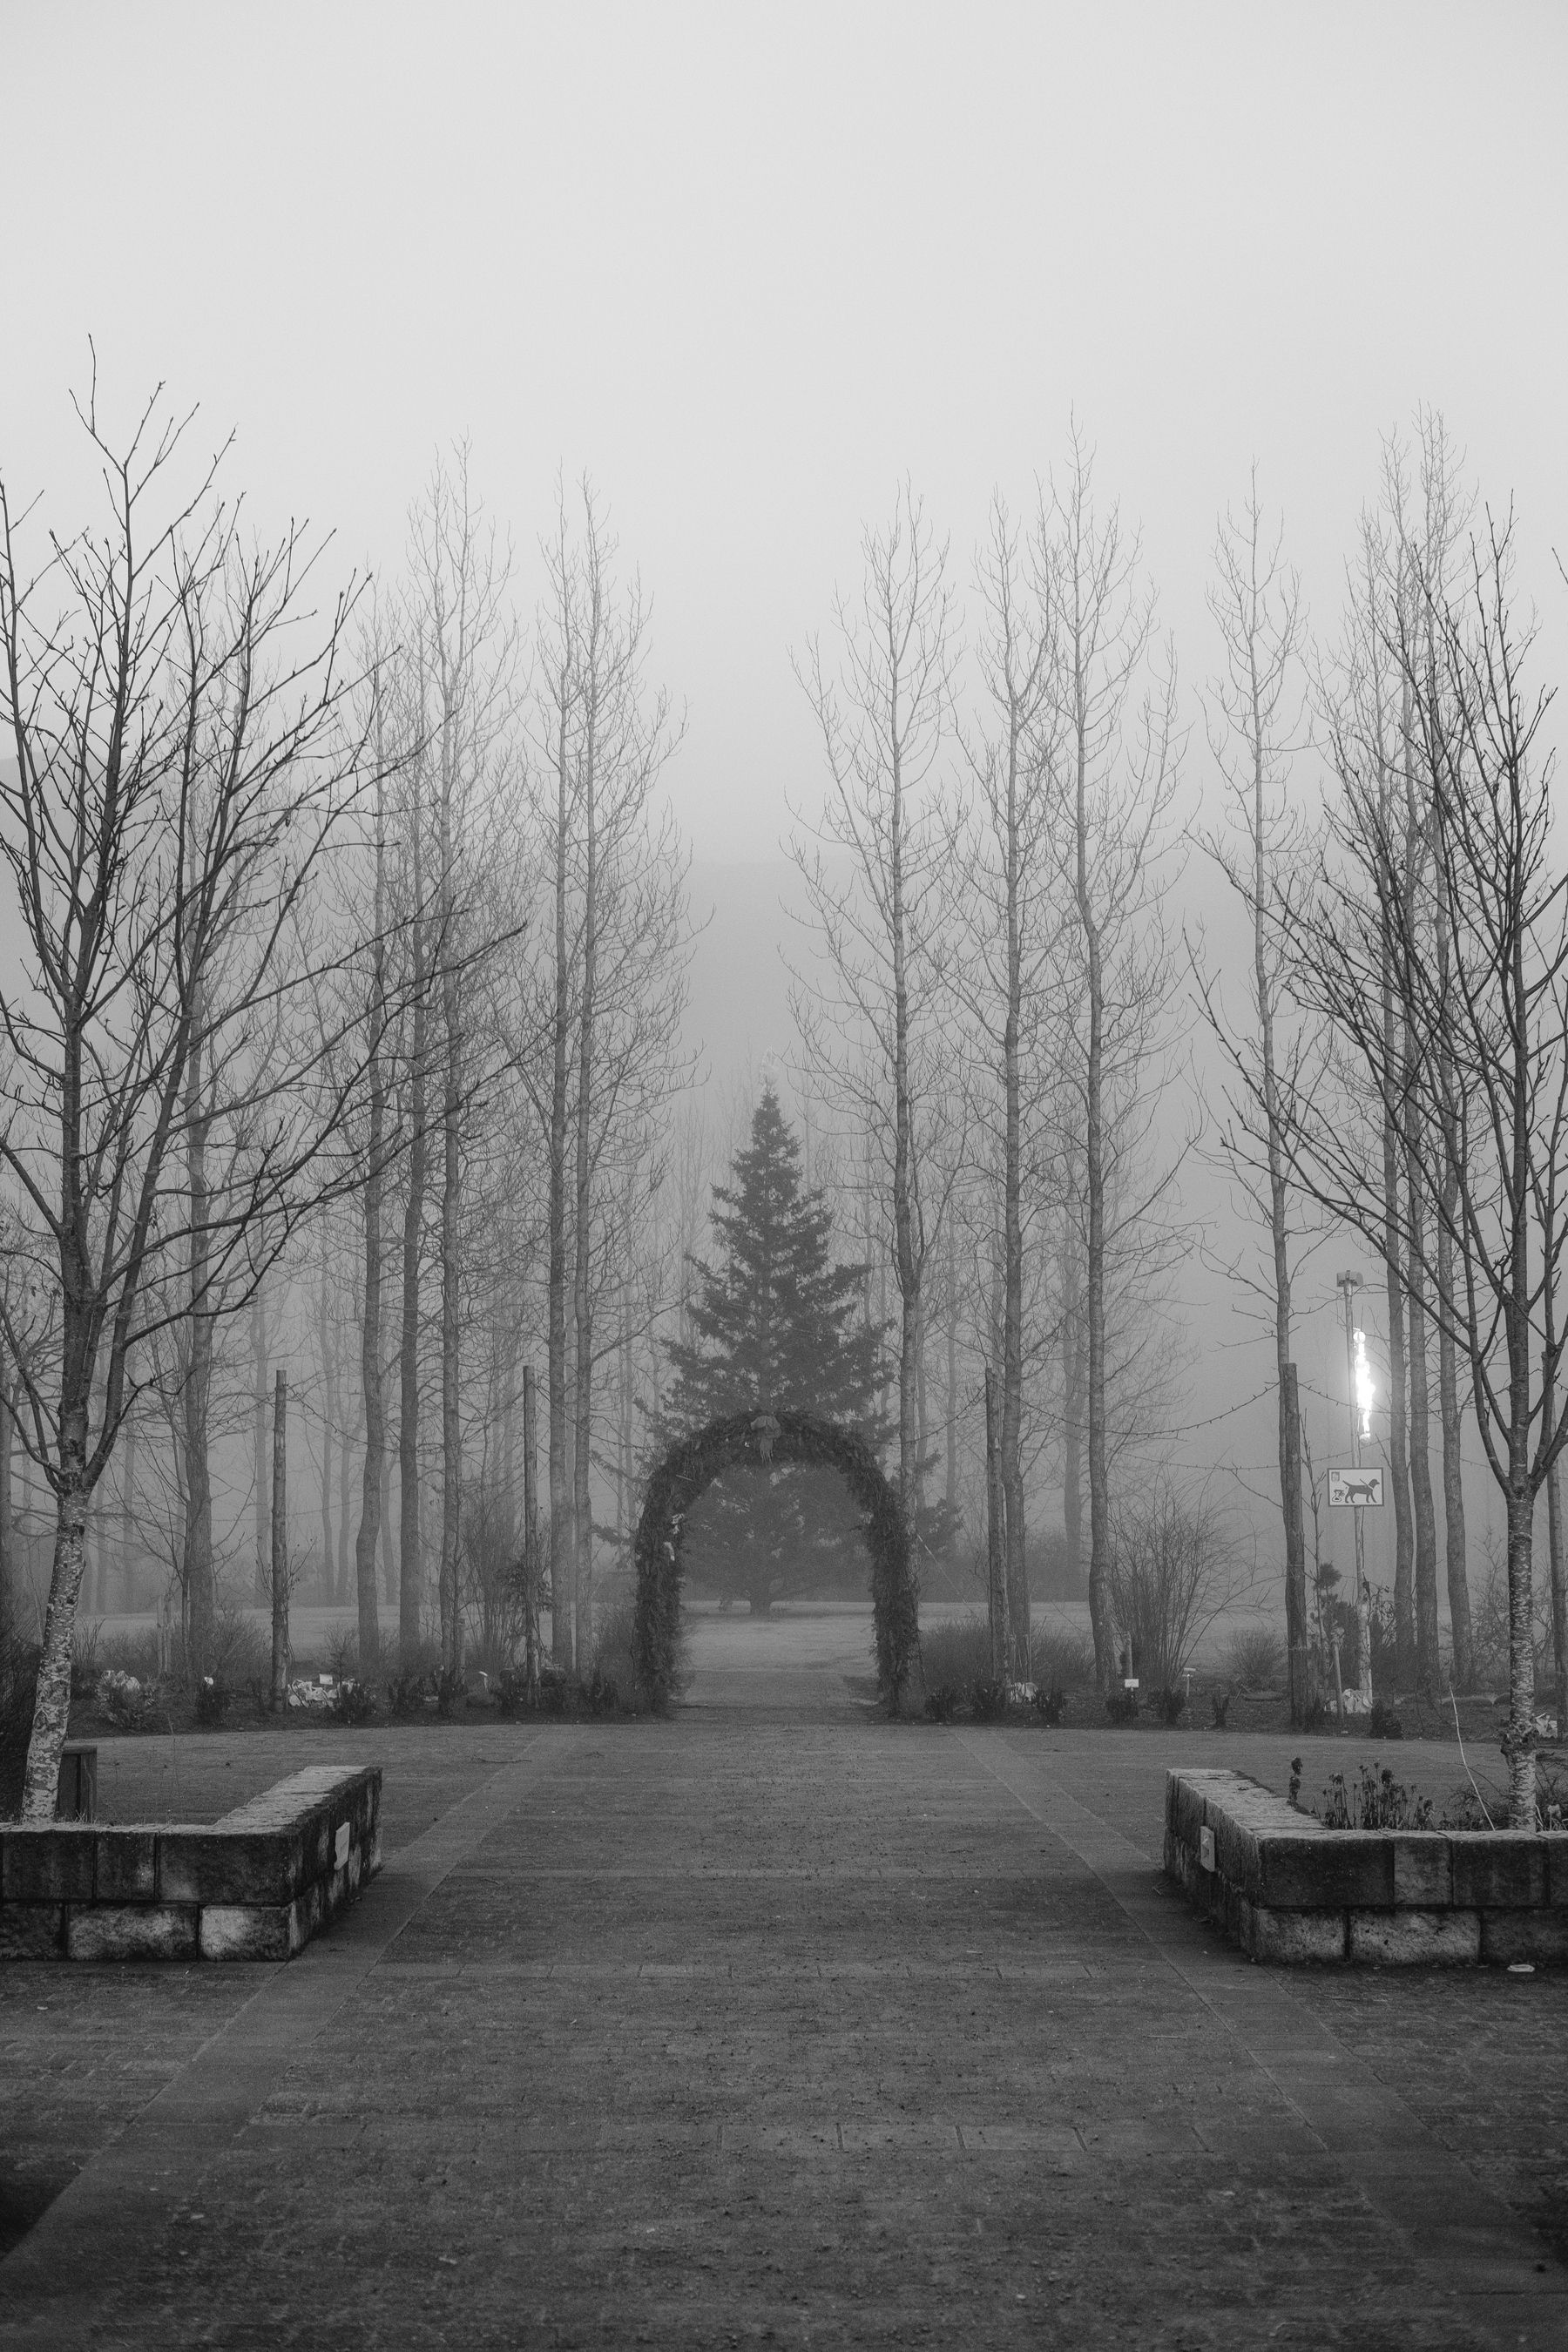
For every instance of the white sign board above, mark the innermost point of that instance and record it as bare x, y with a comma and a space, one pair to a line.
1362, 1488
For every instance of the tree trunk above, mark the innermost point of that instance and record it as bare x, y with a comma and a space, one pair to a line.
279, 1561
562, 1548
1428, 1674
530, 1529
261, 1475
1298, 1664
7, 1530
128, 1518
1448, 1352
950, 1478
1099, 1473
411, 1565
1011, 1463
374, 1468
582, 1301
1073, 1371
996, 1537
198, 1537
1453, 1479
51, 1713
329, 1427
907, 1259
451, 1394
1399, 1457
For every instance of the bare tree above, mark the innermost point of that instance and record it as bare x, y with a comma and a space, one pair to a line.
873, 1014
1015, 923
181, 770
463, 646
1480, 1040
1118, 785
601, 1006
1257, 720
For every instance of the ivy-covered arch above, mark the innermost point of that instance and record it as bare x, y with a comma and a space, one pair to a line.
693, 1463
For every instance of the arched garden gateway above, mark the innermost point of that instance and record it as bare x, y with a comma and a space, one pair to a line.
783, 1438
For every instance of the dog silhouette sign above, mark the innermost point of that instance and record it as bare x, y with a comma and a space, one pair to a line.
1361, 1488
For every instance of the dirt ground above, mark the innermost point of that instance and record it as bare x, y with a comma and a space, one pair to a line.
772, 2024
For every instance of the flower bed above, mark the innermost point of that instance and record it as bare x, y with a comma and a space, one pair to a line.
256, 1885
1285, 1886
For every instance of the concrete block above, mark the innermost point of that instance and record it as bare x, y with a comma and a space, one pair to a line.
31, 1931
1423, 1876
250, 1931
1293, 1936
1500, 1870
1416, 1940
1336, 1869
1537, 1935
1184, 1806
48, 1864
131, 1931
126, 1866
1555, 1844
227, 1864
1236, 1848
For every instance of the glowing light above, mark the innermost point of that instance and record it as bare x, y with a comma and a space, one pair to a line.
1364, 1390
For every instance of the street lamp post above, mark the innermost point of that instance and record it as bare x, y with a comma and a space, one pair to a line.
1358, 1390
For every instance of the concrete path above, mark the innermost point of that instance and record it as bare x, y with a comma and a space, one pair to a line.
774, 2023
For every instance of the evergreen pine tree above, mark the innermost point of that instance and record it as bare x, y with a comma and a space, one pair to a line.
776, 1322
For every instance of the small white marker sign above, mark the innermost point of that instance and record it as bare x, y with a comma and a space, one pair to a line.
1361, 1489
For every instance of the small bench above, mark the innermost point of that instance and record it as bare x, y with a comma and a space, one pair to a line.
1284, 1886
256, 1885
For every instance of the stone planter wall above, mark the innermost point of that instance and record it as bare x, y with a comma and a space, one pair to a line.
1285, 1888
256, 1885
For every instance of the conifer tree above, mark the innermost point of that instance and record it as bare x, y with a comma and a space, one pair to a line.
775, 1323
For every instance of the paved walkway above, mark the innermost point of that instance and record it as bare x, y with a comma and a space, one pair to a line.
739, 2029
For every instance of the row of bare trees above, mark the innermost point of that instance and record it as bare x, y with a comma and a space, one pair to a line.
359, 918
990, 1001
994, 1008
368, 921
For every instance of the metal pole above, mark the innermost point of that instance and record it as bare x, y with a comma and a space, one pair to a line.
1350, 1284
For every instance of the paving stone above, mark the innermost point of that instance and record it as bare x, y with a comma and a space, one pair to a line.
690, 2032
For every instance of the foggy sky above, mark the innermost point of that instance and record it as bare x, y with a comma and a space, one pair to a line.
750, 265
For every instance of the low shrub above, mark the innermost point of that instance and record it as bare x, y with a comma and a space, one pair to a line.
988, 1700
1061, 1657
128, 1702
1049, 1704
1383, 1723
1170, 1706
942, 1705
1255, 1659
407, 1692
1121, 1705
956, 1653
213, 1700
87, 1664
353, 1703
1220, 1702
1375, 1801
